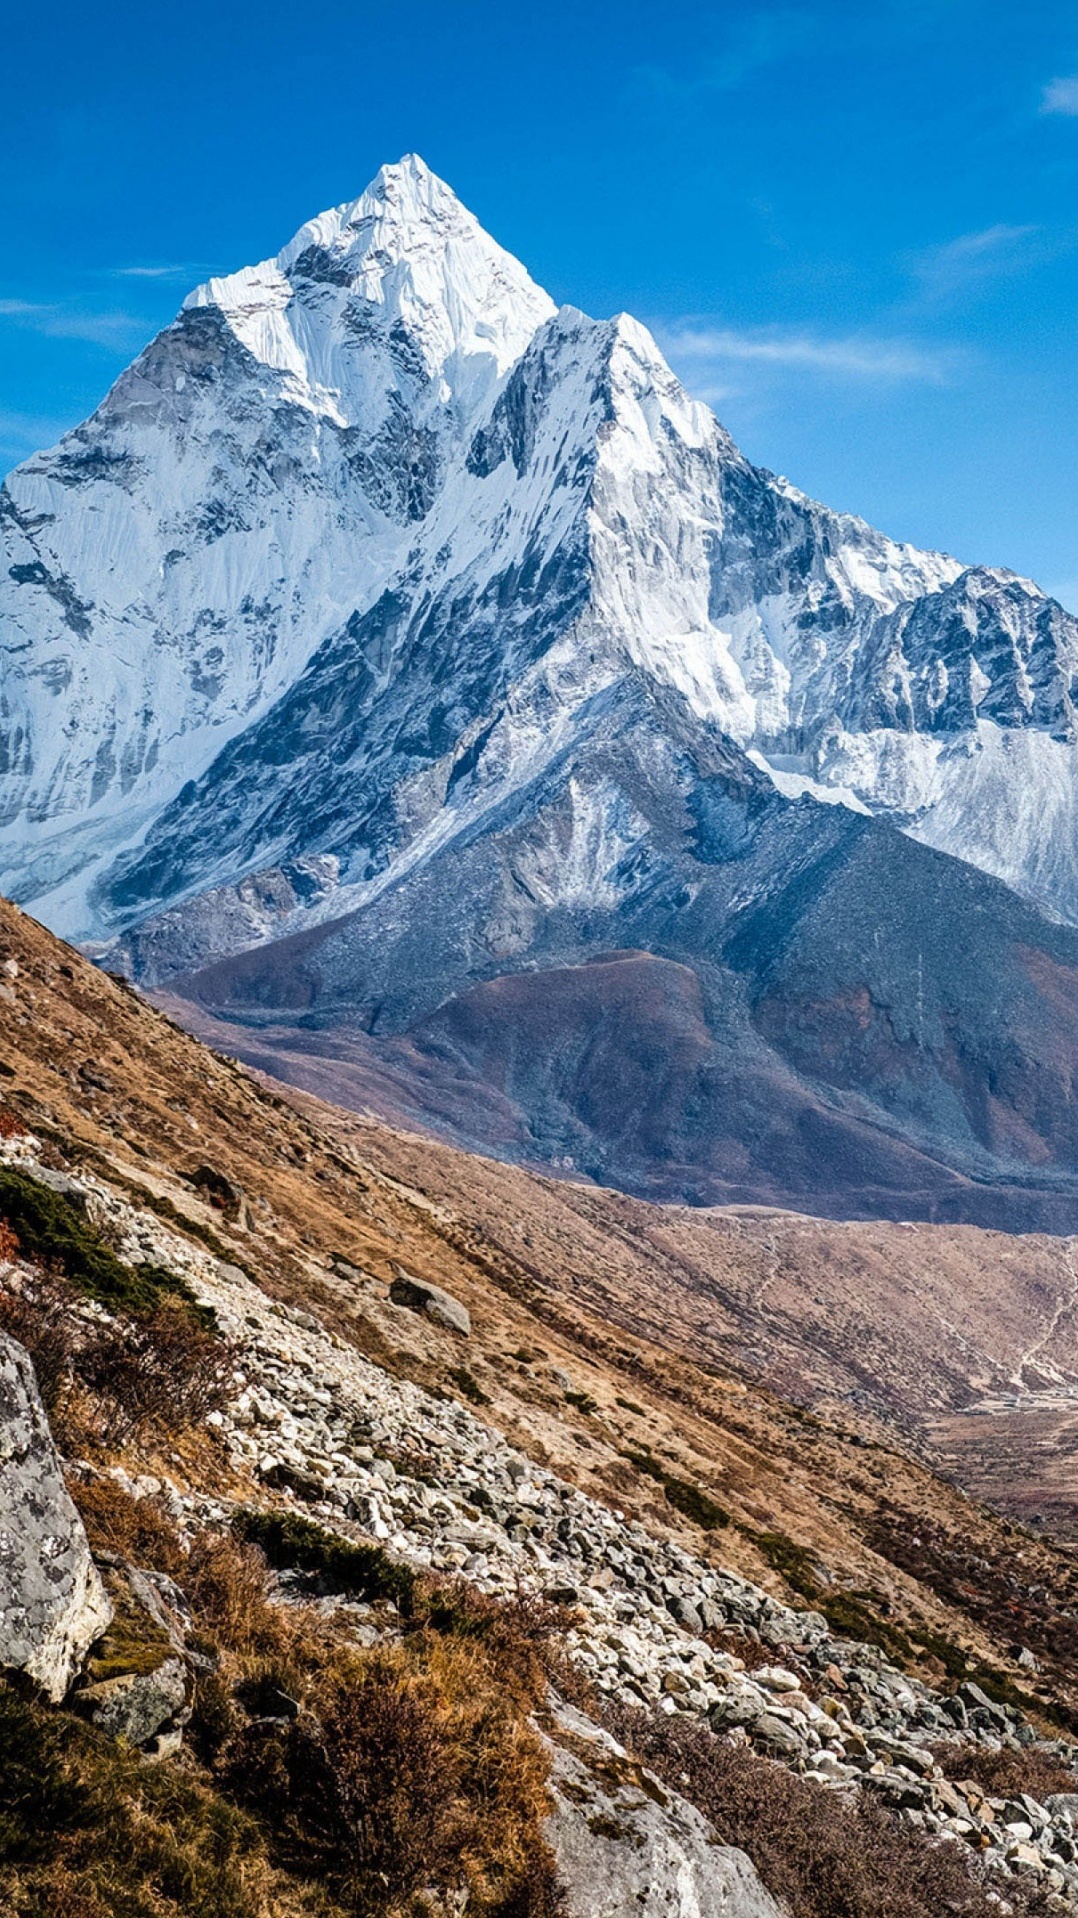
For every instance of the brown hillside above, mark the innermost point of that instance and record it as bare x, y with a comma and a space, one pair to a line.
700, 1336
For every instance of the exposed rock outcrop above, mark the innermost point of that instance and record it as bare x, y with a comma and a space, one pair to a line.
626, 1847
417, 1295
52, 1602
135, 1705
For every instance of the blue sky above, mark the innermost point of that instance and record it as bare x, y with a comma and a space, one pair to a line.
853, 227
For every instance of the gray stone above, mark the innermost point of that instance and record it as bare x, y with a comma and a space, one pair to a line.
137, 1704
778, 1735
626, 1847
162, 1745
418, 1295
52, 1602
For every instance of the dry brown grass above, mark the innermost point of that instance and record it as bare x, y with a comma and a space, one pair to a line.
88, 1831
1004, 1774
411, 1765
408, 1766
164, 1371
137, 1530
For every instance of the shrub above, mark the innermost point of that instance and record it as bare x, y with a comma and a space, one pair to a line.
88, 1831
413, 1768
821, 1856
470, 1386
849, 1614
292, 1543
53, 1231
378, 1785
1003, 1774
39, 1317
686, 1498
163, 1370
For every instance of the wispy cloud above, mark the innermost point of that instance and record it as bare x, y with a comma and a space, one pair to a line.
854, 356
754, 42
973, 258
181, 271
1061, 96
63, 321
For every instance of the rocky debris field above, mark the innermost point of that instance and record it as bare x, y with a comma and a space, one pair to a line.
327, 1433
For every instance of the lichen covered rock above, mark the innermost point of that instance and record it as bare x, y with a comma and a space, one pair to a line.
52, 1602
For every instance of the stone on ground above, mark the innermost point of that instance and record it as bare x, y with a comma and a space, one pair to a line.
52, 1602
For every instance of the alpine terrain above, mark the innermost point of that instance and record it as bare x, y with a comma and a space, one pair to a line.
411, 677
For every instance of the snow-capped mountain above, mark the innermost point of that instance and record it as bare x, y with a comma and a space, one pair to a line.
340, 558
392, 648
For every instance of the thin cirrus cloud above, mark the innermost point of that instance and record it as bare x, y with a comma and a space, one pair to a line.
971, 260
1061, 96
57, 321
177, 270
853, 357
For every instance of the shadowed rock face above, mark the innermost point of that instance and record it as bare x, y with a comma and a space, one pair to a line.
52, 1602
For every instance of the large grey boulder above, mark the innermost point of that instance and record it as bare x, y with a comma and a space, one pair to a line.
52, 1602
418, 1295
627, 1847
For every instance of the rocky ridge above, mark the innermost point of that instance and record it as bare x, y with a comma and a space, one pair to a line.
378, 1458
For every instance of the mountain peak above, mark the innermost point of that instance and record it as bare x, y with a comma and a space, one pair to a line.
404, 203
406, 246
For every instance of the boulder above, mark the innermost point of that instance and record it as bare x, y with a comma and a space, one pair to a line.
418, 1295
627, 1847
136, 1704
222, 1193
52, 1602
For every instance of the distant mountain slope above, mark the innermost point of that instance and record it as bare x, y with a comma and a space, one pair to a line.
652, 969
